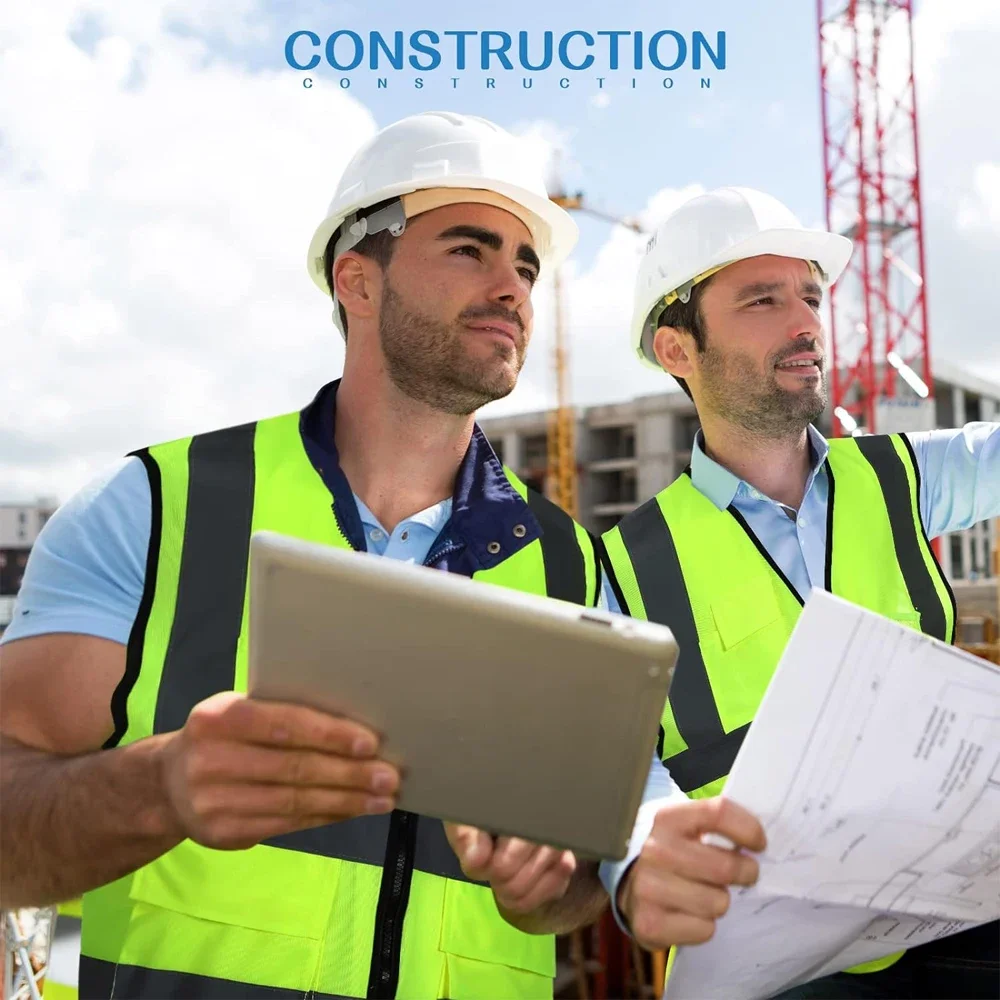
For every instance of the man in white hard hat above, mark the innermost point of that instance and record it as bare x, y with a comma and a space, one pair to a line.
728, 301
225, 847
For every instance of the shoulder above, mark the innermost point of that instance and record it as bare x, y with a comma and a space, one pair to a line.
114, 505
654, 507
86, 570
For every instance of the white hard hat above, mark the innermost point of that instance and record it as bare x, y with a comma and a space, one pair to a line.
439, 150
715, 229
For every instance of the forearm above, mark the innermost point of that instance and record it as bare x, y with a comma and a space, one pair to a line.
71, 824
581, 905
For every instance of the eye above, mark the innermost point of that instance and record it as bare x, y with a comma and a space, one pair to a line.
766, 300
470, 250
528, 274
815, 303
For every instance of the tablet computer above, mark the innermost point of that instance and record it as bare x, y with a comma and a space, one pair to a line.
518, 714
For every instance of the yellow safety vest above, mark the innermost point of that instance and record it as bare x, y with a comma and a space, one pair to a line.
377, 906
681, 561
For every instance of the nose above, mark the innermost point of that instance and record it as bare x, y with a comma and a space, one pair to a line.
508, 287
804, 321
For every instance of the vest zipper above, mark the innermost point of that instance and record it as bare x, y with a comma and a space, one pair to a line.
340, 527
445, 550
394, 894
397, 874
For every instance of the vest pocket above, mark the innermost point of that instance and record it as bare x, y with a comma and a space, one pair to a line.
255, 916
742, 652
473, 928
740, 612
264, 888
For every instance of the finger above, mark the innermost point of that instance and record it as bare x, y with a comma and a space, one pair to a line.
544, 879
226, 761
234, 716
213, 802
474, 849
670, 892
510, 856
550, 886
713, 815
543, 861
453, 833
657, 930
699, 862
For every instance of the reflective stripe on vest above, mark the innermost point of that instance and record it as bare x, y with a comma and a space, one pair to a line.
310, 912
680, 561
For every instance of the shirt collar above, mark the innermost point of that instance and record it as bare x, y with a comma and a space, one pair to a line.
434, 517
721, 486
485, 507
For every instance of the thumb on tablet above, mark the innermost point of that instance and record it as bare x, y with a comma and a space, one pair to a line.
473, 847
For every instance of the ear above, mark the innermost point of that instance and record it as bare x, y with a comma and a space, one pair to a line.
674, 348
355, 278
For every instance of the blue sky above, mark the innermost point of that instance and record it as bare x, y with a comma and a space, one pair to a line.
766, 101
162, 169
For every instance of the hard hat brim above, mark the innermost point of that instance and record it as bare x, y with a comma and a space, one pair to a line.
562, 230
831, 251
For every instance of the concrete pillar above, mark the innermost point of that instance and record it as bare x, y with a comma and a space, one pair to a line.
992, 542
512, 450
958, 405
946, 556
967, 552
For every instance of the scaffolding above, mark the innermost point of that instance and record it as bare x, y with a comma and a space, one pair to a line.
27, 942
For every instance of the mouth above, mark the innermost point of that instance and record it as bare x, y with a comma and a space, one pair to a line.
803, 365
498, 329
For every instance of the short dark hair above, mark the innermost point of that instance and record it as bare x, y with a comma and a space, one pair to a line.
377, 246
687, 316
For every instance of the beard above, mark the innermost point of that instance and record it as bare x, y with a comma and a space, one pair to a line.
763, 407
429, 361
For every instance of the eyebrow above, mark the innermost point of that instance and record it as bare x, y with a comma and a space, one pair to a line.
761, 288
492, 240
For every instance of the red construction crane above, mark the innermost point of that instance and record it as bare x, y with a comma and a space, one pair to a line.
881, 370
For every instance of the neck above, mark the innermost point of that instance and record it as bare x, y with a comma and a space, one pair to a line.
778, 467
399, 456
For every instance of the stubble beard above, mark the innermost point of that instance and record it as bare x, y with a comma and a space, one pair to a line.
428, 360
763, 408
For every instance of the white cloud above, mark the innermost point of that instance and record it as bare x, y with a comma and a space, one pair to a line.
551, 147
157, 201
600, 100
981, 208
152, 258
955, 45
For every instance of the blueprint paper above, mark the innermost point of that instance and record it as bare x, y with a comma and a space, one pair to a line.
874, 765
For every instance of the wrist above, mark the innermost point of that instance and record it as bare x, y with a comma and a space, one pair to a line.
623, 898
159, 816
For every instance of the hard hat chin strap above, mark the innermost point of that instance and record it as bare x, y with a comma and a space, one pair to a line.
354, 229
